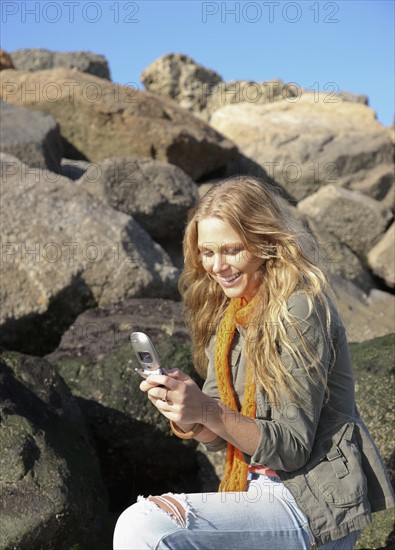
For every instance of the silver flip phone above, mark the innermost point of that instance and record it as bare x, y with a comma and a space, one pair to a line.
146, 355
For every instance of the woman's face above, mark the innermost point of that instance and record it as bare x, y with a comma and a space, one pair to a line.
224, 257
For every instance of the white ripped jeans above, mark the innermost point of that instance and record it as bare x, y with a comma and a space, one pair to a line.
265, 517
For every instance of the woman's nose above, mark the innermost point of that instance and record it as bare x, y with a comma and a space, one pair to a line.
219, 263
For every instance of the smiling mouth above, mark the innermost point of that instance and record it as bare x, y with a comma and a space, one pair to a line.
230, 279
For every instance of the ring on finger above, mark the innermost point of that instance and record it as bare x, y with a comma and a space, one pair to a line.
167, 400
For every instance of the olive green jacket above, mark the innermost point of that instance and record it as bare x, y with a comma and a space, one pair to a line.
319, 447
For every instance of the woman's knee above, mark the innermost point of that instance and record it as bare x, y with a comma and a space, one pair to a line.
143, 524
128, 527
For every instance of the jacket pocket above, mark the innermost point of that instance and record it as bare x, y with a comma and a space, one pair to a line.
338, 475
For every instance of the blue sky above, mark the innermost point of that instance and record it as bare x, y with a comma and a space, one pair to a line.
346, 45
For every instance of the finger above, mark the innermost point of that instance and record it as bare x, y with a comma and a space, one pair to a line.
145, 386
162, 380
178, 374
152, 399
164, 407
159, 393
150, 382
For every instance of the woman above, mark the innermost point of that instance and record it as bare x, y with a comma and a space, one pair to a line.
302, 470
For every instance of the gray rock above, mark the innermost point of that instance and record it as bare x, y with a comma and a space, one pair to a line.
381, 257
157, 195
246, 91
100, 119
357, 152
36, 59
32, 136
303, 144
211, 468
335, 258
86, 62
96, 360
63, 251
32, 59
178, 76
51, 492
378, 182
365, 315
355, 219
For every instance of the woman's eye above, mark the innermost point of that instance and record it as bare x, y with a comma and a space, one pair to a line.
206, 253
232, 251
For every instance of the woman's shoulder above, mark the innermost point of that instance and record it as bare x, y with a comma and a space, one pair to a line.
301, 306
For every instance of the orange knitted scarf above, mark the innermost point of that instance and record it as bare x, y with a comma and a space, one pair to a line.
238, 311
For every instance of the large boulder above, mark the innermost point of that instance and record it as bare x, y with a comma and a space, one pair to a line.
63, 251
157, 194
334, 257
51, 492
96, 359
100, 119
33, 137
381, 257
306, 142
38, 59
178, 76
355, 219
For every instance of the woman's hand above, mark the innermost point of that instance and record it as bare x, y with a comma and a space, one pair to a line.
177, 397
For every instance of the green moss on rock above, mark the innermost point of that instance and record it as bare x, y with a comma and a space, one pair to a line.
374, 369
51, 492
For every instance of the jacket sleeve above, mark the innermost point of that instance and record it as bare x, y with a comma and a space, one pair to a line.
287, 438
210, 388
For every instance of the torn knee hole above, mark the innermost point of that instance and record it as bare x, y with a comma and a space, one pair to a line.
172, 506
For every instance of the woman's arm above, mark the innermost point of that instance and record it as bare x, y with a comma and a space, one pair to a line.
239, 430
179, 398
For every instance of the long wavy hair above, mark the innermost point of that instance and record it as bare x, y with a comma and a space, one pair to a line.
251, 208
